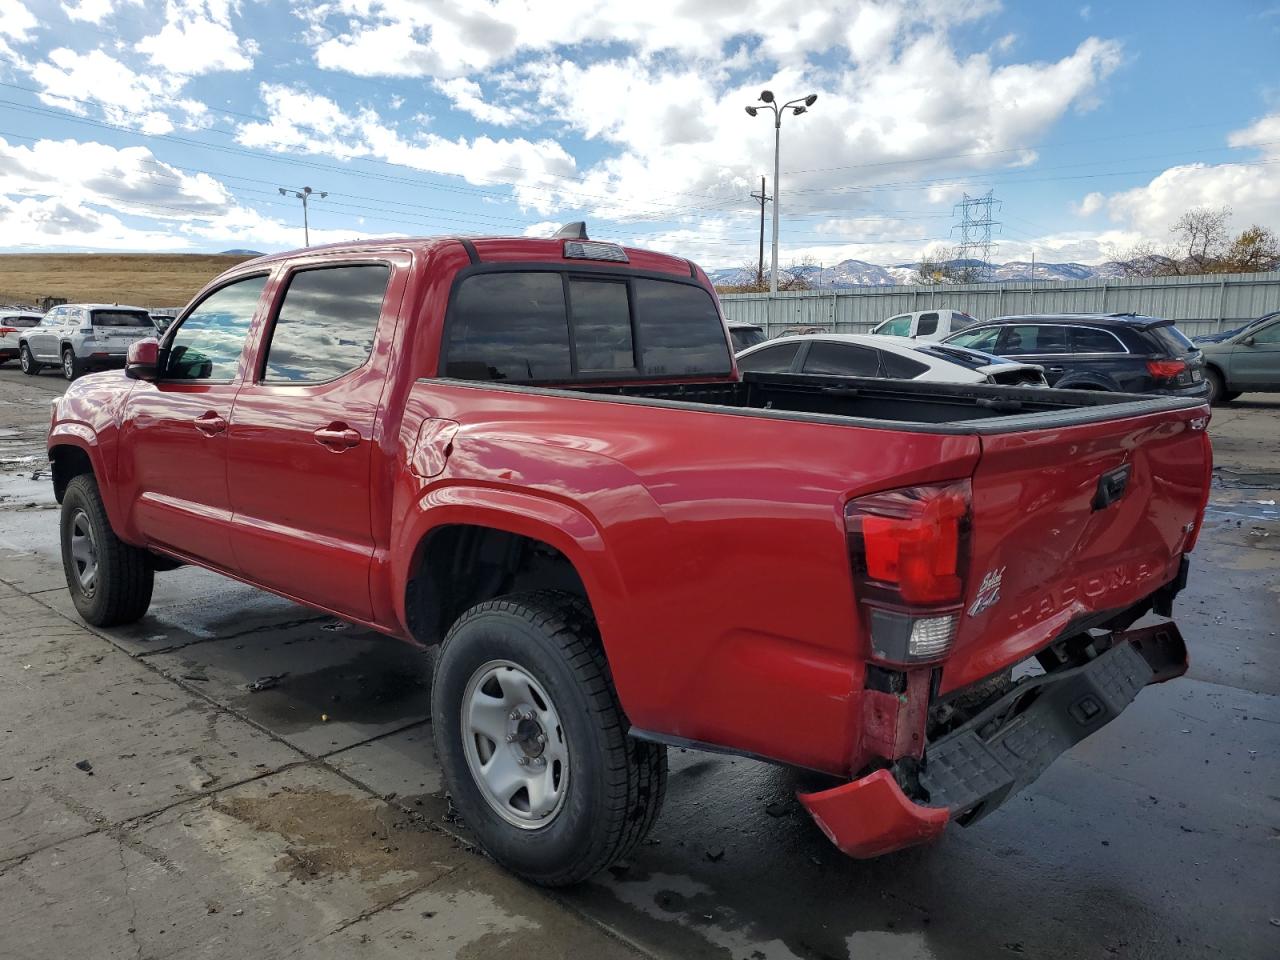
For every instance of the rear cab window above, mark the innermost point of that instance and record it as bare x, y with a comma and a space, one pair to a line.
554, 325
121, 318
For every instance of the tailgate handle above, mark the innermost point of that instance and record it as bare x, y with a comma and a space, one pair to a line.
1111, 486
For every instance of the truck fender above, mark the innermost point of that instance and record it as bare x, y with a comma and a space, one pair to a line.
81, 436
560, 525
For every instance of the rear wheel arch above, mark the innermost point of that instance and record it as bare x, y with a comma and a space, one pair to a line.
1084, 383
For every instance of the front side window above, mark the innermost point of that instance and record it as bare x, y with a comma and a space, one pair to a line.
984, 339
208, 344
1269, 334
928, 324
326, 323
842, 360
896, 327
775, 359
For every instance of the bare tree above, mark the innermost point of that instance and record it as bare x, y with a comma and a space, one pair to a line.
1201, 237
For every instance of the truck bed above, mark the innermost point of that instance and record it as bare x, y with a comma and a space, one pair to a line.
900, 404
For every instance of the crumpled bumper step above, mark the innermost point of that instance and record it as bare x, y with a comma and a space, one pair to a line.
969, 772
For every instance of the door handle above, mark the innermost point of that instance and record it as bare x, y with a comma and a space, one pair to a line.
210, 423
1054, 369
337, 437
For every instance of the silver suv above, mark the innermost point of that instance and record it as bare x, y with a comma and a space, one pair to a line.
79, 337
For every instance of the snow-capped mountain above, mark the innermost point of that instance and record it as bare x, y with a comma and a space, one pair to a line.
859, 273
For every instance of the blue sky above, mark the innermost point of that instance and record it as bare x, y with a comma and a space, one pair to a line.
139, 125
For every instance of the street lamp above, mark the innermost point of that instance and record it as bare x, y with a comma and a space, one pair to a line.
302, 195
796, 107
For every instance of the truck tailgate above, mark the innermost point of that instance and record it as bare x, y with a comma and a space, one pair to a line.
1073, 521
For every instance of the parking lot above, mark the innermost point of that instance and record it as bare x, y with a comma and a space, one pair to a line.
154, 805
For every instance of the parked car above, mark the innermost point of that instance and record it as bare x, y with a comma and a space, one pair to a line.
12, 323
1247, 361
925, 324
865, 355
1122, 352
79, 337
745, 335
1228, 334
539, 456
801, 331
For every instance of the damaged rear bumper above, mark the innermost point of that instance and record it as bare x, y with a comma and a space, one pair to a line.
970, 771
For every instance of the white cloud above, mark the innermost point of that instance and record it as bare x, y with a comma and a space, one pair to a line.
467, 96
16, 21
1250, 188
300, 120
197, 38
1091, 204
126, 97
95, 11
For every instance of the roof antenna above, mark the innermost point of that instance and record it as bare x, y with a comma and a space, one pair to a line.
572, 231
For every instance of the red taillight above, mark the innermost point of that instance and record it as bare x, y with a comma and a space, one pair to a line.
908, 549
1165, 369
909, 540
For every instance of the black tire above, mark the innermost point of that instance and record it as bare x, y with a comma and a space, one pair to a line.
30, 366
1218, 393
1231, 395
616, 783
121, 589
71, 367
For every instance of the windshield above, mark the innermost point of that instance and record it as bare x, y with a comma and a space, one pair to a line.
744, 337
121, 318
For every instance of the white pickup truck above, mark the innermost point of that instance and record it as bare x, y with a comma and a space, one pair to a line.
925, 324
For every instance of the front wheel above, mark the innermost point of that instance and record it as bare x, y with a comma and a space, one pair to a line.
533, 741
28, 363
110, 581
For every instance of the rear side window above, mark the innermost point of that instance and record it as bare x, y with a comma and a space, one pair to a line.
20, 322
1089, 340
516, 325
928, 324
901, 368
326, 323
509, 326
1171, 339
842, 360
680, 329
208, 344
775, 359
121, 318
1033, 340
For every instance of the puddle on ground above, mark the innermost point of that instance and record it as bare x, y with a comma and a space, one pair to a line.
387, 683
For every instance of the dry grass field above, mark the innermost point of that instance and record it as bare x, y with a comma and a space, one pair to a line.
141, 279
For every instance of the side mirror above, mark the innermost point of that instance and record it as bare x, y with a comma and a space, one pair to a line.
143, 361
1248, 341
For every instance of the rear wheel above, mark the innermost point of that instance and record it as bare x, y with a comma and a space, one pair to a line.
110, 581
533, 741
71, 367
1217, 387
28, 363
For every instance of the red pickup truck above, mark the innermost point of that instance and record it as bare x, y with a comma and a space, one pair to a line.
538, 456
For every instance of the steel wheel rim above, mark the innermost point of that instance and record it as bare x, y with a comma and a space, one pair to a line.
84, 553
504, 711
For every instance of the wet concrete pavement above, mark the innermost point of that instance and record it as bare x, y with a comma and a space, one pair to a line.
307, 820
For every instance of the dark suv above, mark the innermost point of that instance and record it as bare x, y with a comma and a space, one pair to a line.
1123, 352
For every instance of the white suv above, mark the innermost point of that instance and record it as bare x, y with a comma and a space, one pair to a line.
79, 337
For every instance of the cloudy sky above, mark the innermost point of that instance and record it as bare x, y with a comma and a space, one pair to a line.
141, 125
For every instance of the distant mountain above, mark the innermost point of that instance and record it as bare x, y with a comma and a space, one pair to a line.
241, 253
859, 273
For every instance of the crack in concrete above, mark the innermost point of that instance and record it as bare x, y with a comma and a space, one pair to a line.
133, 905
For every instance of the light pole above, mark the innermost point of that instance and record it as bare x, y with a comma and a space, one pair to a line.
796, 107
302, 195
